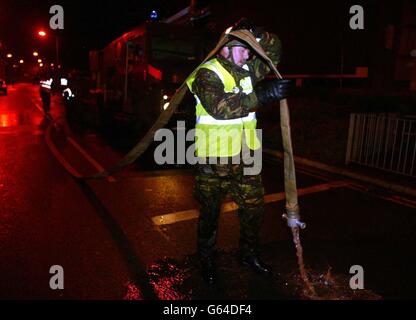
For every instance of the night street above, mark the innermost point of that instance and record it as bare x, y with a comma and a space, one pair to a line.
46, 219
196, 159
106, 233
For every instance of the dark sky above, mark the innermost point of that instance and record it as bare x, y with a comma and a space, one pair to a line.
88, 24
312, 32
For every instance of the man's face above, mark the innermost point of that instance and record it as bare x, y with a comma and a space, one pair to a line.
239, 55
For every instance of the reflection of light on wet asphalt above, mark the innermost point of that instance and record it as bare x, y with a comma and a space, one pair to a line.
22, 122
179, 280
179, 216
8, 120
133, 293
167, 279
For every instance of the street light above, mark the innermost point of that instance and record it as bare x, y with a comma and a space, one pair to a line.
43, 34
35, 54
21, 61
39, 60
9, 55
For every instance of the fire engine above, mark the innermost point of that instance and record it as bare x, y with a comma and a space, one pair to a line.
137, 73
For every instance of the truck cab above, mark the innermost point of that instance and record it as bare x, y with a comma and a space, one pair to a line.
137, 73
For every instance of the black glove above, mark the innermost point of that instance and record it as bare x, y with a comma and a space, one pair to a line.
274, 90
245, 24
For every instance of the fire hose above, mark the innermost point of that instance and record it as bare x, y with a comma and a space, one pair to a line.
292, 207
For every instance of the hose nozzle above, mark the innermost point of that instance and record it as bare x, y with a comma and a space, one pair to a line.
293, 221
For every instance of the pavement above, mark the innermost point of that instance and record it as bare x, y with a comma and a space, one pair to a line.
116, 237
151, 216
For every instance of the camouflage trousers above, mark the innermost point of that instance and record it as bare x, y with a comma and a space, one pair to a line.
213, 183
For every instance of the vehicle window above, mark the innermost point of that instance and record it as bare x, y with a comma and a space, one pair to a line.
172, 49
136, 53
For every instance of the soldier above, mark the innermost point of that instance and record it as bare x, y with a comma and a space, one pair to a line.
227, 92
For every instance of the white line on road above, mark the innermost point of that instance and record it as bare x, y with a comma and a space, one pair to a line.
89, 158
62, 159
179, 216
37, 105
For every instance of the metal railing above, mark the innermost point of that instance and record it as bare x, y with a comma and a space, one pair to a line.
383, 141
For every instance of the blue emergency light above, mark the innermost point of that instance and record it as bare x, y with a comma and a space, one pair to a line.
153, 15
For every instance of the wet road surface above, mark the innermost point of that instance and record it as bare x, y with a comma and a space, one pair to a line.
114, 238
45, 219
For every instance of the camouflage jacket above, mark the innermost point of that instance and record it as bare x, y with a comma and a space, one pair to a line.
210, 90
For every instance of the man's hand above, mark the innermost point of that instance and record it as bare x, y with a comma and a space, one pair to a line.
274, 90
293, 220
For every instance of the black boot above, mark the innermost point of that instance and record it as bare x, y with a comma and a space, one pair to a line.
208, 270
256, 265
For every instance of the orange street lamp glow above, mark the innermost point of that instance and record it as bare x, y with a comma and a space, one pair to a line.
9, 55
41, 65
35, 54
21, 61
39, 60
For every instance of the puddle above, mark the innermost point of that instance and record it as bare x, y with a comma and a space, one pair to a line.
328, 286
181, 280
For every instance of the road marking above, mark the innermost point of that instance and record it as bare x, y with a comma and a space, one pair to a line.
231, 206
37, 105
58, 155
89, 158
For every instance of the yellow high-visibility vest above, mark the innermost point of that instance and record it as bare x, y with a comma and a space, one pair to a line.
223, 138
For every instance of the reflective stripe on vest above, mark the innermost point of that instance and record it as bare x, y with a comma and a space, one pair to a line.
211, 120
223, 138
46, 84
